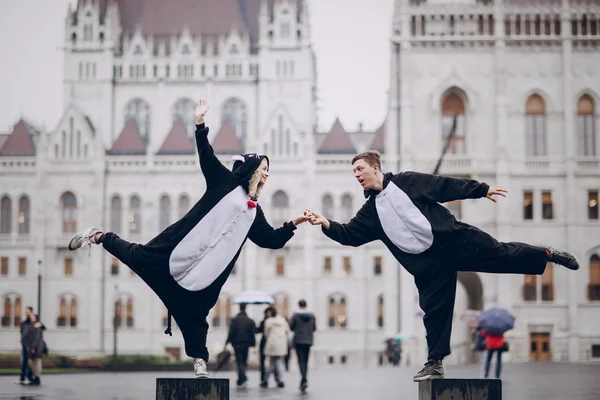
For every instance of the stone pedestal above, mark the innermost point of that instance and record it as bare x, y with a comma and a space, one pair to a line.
460, 389
192, 389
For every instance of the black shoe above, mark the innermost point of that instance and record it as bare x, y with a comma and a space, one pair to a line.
264, 384
433, 370
280, 384
303, 386
563, 258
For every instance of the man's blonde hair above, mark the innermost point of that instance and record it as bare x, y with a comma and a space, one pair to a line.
371, 157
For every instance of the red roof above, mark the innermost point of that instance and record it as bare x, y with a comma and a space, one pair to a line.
162, 18
19, 142
337, 141
177, 142
379, 139
130, 141
226, 142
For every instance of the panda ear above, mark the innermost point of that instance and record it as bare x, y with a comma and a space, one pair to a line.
238, 158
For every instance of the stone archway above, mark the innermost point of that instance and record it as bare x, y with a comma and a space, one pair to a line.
472, 286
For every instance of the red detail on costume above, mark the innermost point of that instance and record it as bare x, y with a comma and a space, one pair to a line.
251, 204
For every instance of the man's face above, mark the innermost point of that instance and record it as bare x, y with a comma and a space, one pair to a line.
264, 172
28, 313
365, 173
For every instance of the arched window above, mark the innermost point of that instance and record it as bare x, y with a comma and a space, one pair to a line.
7, 314
234, 112
123, 314
24, 215
184, 205
139, 111
327, 206
5, 215
135, 215
116, 214
280, 207
453, 105
222, 311
73, 313
17, 313
337, 311
282, 304
69, 212
535, 126
130, 312
594, 285
165, 212
216, 320
380, 311
184, 110
347, 212
586, 130
67, 312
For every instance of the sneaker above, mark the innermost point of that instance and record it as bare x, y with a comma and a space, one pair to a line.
200, 368
563, 258
303, 386
83, 238
280, 384
433, 370
264, 384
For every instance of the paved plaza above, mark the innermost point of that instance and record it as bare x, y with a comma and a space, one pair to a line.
544, 381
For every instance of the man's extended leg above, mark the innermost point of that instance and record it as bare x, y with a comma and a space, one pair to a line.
241, 359
477, 251
302, 352
194, 328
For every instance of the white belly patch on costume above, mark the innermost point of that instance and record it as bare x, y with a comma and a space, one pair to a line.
402, 222
205, 252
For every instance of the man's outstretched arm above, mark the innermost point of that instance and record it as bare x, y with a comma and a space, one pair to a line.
360, 230
213, 170
445, 188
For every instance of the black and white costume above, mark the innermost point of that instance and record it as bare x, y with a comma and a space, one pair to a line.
432, 245
188, 263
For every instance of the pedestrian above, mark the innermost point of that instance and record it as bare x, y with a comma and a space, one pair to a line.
277, 331
404, 212
493, 344
187, 264
25, 370
242, 336
33, 339
261, 346
303, 324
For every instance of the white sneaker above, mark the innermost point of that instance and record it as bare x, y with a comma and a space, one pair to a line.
200, 368
83, 238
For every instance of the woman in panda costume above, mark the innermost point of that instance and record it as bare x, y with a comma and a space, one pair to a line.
187, 264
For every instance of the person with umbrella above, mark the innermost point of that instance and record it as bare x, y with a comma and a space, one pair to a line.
493, 324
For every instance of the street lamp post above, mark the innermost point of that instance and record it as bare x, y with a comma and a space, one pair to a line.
39, 289
115, 325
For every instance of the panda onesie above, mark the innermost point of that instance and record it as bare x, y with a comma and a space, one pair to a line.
433, 246
188, 263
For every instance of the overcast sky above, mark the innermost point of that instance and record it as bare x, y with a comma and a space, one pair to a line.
351, 40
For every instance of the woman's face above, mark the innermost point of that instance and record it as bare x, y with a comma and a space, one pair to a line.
263, 168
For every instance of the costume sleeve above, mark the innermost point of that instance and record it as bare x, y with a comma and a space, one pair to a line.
360, 229
267, 237
213, 170
445, 188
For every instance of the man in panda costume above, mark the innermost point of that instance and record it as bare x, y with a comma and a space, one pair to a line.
188, 263
404, 212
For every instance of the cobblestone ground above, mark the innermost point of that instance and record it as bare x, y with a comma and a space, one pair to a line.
544, 381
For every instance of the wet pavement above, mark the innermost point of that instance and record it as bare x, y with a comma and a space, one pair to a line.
527, 381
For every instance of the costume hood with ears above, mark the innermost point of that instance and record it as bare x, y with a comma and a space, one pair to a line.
245, 169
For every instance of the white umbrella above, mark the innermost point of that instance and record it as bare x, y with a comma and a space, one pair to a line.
254, 297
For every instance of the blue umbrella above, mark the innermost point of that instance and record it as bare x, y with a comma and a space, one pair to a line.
496, 321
